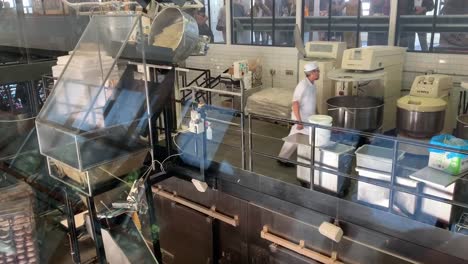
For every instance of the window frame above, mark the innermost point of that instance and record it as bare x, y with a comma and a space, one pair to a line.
434, 30
208, 11
252, 26
358, 25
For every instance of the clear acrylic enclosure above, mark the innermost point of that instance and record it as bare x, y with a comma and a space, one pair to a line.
93, 125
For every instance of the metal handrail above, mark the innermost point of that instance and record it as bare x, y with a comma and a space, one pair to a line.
361, 133
391, 185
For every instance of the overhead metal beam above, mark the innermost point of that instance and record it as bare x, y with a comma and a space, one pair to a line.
25, 72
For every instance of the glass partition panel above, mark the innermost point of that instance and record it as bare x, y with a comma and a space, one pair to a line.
315, 20
241, 21
451, 27
97, 112
344, 21
262, 15
374, 21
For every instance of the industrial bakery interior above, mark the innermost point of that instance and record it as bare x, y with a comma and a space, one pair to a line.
233, 131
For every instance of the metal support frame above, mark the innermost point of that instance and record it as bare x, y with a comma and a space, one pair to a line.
250, 144
312, 156
393, 175
25, 72
72, 233
96, 230
153, 221
94, 221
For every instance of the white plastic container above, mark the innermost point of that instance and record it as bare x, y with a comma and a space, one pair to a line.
322, 136
380, 196
335, 156
376, 158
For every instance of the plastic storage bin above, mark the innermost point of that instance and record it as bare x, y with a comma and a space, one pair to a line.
380, 196
376, 158
334, 156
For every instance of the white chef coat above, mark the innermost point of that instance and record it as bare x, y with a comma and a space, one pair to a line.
306, 94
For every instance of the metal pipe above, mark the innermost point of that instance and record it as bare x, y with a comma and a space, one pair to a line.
72, 233
242, 123
210, 90
312, 156
96, 230
364, 179
361, 133
243, 158
228, 33
250, 144
152, 220
222, 121
393, 175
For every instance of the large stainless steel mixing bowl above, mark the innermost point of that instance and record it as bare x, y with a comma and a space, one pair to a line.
420, 124
187, 37
462, 127
363, 113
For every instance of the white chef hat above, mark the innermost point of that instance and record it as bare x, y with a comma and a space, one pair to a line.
310, 66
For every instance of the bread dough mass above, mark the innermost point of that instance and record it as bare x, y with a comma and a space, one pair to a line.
169, 37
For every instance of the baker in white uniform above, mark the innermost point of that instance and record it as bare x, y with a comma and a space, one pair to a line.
303, 105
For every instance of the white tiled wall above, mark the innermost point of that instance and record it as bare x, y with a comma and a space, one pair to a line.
451, 64
220, 57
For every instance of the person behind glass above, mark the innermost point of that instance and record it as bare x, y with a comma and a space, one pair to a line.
221, 24
238, 10
350, 37
337, 9
408, 7
260, 10
454, 41
288, 9
421, 7
378, 8
303, 105
203, 28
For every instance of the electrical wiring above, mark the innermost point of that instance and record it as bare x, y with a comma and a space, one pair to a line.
177, 146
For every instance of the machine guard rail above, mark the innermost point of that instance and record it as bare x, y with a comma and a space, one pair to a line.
396, 142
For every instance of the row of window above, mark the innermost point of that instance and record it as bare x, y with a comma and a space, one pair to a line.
422, 25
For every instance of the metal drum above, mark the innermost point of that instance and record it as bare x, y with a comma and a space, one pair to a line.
420, 124
462, 127
177, 30
363, 113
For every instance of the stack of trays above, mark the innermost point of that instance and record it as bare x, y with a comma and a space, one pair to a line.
17, 228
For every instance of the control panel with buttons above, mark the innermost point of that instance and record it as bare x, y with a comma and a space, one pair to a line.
433, 86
